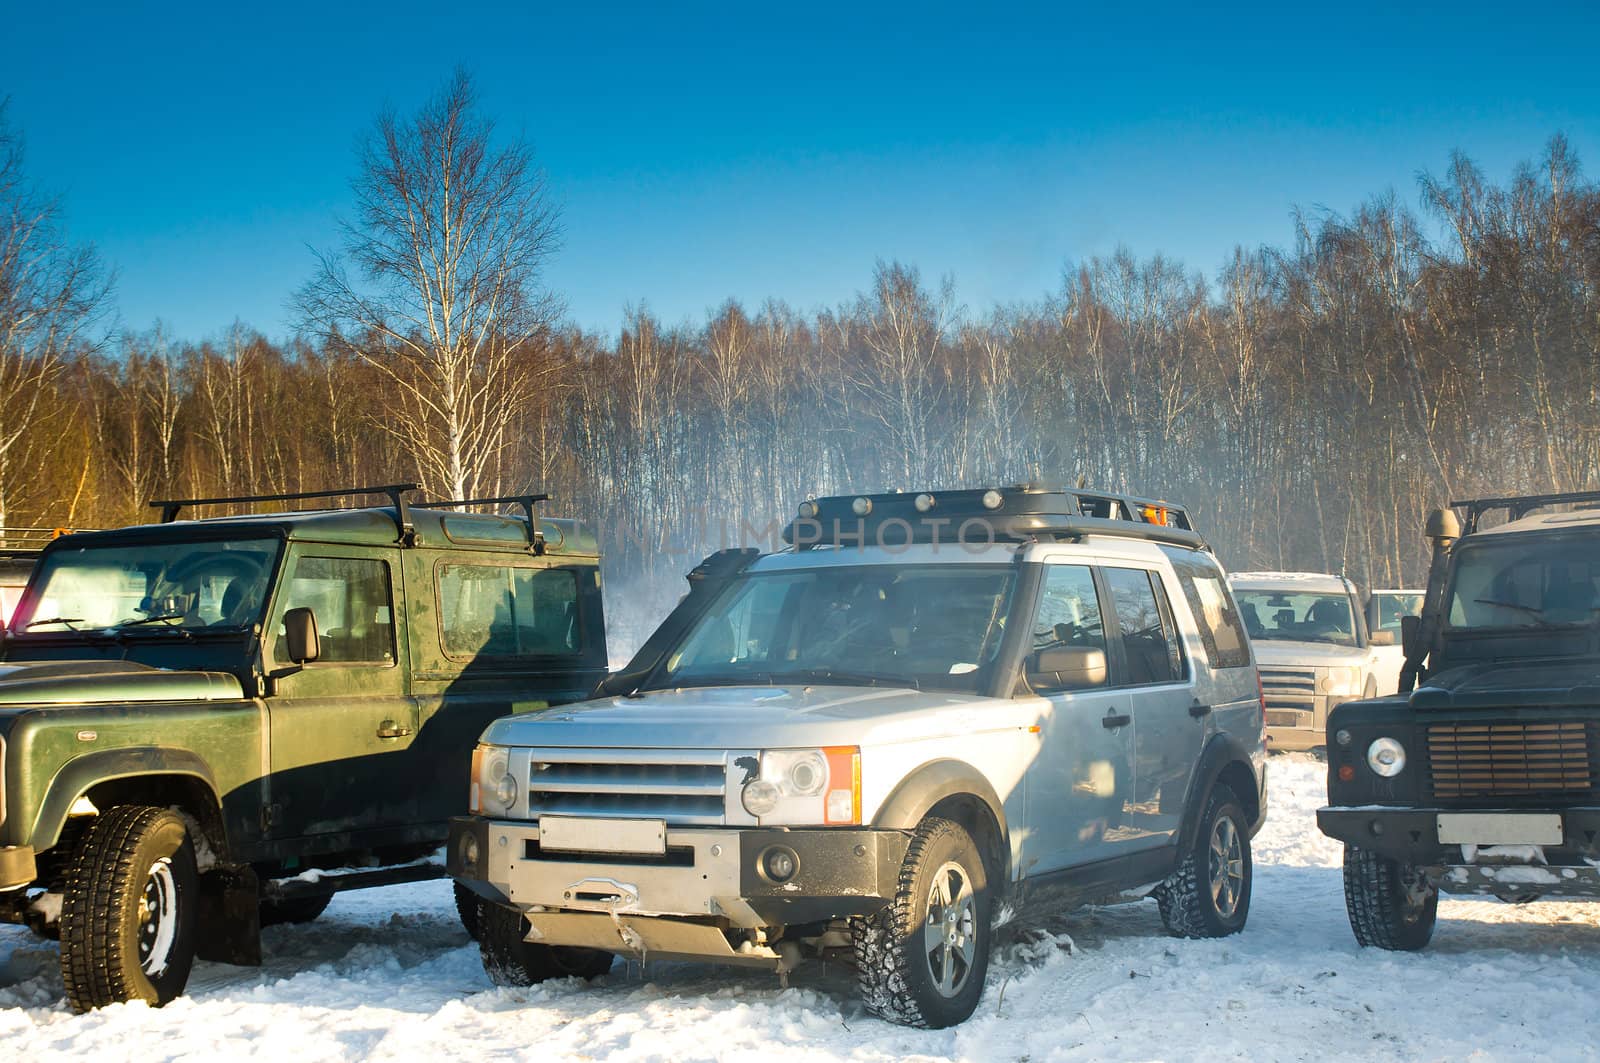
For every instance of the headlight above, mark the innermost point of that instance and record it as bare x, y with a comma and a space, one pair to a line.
1339, 681
494, 788
804, 787
1386, 757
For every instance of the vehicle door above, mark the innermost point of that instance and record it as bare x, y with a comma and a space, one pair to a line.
1168, 720
512, 634
341, 724
1081, 781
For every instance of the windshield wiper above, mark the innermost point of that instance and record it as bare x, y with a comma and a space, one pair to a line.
66, 621
1535, 610
150, 620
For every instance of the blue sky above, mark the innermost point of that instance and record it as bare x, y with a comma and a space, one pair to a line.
701, 153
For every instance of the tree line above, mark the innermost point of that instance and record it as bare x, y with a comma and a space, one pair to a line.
1309, 402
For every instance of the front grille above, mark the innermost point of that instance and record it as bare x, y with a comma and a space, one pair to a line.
679, 786
1529, 759
1292, 681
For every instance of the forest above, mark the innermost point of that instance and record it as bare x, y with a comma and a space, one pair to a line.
1309, 401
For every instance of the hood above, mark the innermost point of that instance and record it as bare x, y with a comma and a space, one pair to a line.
1514, 683
1284, 654
751, 717
90, 682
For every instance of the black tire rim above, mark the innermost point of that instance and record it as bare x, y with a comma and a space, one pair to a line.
158, 919
1227, 867
950, 934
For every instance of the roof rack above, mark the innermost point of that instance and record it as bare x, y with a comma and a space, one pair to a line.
1016, 514
171, 507
1517, 506
28, 542
527, 502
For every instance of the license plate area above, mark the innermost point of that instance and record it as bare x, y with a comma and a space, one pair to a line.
1500, 828
581, 834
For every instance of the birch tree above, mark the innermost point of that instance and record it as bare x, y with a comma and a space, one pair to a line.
50, 291
438, 284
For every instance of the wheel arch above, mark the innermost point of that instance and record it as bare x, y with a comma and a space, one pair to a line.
1224, 760
955, 790
144, 775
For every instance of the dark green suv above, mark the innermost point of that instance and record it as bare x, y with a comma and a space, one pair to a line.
1485, 779
196, 713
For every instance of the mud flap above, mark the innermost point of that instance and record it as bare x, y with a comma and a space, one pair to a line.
230, 917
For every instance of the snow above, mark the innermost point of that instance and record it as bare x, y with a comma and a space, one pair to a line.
389, 974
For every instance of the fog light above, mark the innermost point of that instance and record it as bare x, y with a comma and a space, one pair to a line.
779, 863
861, 507
808, 510
760, 797
1342, 737
923, 503
505, 791
991, 499
467, 852
1386, 757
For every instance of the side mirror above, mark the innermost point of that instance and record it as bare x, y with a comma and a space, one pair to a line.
300, 635
1382, 638
1411, 637
1068, 668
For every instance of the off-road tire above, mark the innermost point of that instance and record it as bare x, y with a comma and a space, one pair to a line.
294, 909
511, 961
1188, 899
130, 851
469, 906
1382, 914
893, 969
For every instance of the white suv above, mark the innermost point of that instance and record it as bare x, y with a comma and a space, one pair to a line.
1311, 639
929, 709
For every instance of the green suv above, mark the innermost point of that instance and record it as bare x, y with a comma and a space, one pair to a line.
207, 725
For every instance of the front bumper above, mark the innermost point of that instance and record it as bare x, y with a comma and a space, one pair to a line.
17, 866
1300, 724
706, 874
1411, 836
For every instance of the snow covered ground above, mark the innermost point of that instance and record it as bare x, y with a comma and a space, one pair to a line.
389, 974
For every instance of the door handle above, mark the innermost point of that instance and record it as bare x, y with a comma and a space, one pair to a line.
1111, 723
390, 729
1198, 710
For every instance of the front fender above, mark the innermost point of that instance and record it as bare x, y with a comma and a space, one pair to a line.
76, 776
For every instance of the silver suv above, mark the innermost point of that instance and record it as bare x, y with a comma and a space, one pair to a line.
931, 709
1311, 639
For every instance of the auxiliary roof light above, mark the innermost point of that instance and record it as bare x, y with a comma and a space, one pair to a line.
923, 503
991, 499
861, 506
808, 510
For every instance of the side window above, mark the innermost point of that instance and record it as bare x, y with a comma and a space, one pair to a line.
1148, 640
354, 610
505, 611
1069, 615
1222, 631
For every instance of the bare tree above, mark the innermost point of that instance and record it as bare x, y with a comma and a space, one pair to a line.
50, 290
438, 285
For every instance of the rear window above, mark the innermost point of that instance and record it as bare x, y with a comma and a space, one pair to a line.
1221, 631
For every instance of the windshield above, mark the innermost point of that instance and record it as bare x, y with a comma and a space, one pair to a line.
1387, 609
1526, 582
934, 627
1298, 617
191, 585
